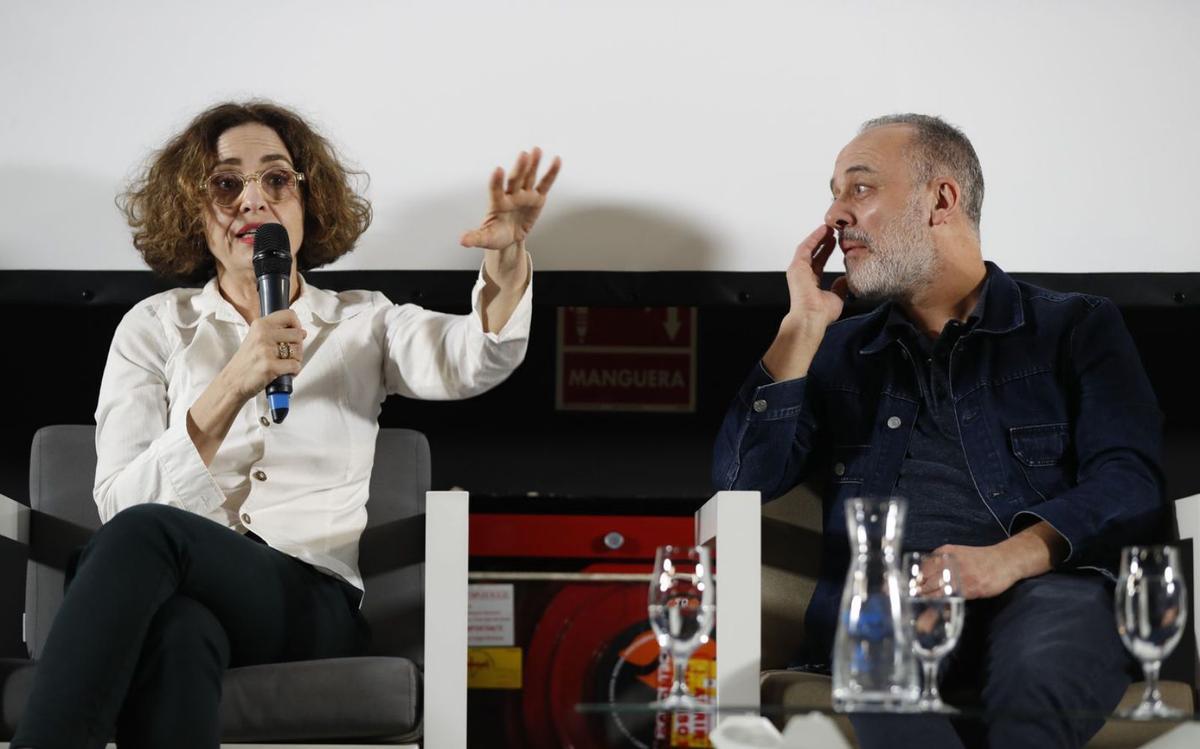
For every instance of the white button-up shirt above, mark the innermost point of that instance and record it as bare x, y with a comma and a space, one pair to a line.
300, 485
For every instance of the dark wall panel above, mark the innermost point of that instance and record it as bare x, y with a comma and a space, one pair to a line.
511, 442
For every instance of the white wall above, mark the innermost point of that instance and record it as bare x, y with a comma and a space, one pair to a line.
696, 135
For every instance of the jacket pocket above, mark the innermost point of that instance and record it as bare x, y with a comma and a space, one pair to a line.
1040, 445
1043, 454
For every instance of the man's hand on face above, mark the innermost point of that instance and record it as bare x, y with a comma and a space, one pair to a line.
811, 309
809, 304
983, 571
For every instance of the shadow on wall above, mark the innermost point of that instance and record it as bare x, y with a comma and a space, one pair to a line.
625, 237
60, 218
576, 236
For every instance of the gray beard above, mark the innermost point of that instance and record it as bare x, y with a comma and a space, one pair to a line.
900, 263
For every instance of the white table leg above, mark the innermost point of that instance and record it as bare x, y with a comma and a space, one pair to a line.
733, 521
446, 550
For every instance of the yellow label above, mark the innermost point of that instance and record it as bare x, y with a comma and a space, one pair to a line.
493, 668
691, 730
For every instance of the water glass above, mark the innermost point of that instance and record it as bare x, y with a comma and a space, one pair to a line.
682, 609
1151, 607
938, 610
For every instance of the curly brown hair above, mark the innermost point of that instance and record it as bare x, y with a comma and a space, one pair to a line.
165, 205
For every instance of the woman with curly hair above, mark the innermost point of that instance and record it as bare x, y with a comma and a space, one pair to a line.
227, 539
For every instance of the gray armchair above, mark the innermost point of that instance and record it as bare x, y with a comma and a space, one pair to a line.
371, 699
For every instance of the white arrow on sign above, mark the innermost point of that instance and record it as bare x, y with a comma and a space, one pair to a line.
672, 324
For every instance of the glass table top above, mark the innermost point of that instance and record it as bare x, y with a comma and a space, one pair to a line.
783, 711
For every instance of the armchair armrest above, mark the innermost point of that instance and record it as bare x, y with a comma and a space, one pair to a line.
733, 522
14, 520
446, 551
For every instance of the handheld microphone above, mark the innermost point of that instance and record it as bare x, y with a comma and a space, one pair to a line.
273, 267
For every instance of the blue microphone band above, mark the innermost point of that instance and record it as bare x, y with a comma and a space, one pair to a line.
280, 404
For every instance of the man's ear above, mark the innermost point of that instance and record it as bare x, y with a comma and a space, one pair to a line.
946, 197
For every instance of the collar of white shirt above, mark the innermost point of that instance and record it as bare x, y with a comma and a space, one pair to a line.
311, 305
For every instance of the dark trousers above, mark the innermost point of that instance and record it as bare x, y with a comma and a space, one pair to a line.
1040, 657
160, 603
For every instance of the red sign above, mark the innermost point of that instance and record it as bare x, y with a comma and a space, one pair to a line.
626, 359
669, 327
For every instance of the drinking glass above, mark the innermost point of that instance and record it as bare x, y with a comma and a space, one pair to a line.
938, 609
681, 613
1151, 603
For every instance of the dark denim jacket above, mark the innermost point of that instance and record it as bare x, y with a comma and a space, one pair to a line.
1057, 419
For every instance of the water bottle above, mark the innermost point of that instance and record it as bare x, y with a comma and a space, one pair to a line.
874, 668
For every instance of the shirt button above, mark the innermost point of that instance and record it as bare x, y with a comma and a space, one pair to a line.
264, 421
839, 469
760, 405
246, 518
260, 475
893, 422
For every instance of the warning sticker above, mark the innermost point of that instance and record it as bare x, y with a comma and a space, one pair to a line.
489, 615
493, 668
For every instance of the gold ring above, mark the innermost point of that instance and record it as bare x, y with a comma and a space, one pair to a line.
283, 350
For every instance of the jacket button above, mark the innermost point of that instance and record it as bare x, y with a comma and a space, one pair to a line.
260, 475
893, 422
760, 405
839, 469
246, 518
264, 421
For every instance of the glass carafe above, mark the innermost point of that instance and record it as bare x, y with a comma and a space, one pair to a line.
874, 668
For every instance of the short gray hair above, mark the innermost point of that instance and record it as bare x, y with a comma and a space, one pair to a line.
938, 145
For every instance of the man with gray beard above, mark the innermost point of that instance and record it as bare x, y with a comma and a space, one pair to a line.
1017, 422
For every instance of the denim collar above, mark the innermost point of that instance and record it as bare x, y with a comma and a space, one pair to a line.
999, 310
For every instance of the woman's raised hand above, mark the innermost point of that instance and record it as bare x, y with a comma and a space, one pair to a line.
513, 203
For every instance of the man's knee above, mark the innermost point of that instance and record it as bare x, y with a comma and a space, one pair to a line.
1054, 641
1083, 594
1035, 675
1040, 697
1088, 669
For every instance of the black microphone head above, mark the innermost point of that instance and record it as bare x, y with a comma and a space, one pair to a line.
272, 252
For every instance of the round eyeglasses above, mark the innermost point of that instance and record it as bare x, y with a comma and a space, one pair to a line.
276, 183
